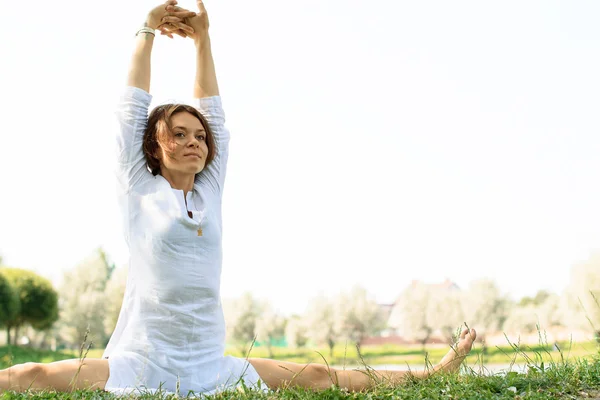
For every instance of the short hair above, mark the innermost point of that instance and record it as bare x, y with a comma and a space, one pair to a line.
159, 128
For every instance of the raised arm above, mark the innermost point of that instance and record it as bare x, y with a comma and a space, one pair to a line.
205, 84
139, 68
208, 101
132, 110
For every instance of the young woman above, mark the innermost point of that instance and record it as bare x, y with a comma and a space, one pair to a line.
171, 169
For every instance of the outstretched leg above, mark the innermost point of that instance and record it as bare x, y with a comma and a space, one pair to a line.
61, 376
280, 374
452, 360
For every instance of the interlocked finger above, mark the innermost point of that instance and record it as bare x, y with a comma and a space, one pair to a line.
169, 29
171, 19
182, 26
179, 12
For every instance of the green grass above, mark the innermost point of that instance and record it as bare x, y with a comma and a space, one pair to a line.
569, 374
414, 355
342, 355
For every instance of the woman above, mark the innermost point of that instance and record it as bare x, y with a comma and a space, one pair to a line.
171, 168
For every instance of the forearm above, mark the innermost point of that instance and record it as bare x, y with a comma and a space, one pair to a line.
205, 84
139, 68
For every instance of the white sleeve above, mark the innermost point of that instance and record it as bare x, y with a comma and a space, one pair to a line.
213, 175
132, 115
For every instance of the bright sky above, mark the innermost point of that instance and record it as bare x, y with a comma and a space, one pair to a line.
372, 142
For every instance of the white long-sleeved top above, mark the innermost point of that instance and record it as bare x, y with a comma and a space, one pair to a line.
171, 332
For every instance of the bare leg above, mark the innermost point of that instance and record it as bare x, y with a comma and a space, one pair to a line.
281, 374
61, 376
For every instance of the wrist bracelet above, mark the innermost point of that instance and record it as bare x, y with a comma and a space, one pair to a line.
145, 29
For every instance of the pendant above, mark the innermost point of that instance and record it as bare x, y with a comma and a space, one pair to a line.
200, 232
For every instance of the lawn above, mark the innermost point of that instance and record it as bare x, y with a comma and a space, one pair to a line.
572, 373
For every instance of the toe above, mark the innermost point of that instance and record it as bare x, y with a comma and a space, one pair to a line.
473, 335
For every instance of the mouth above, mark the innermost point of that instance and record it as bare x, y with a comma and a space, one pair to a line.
193, 155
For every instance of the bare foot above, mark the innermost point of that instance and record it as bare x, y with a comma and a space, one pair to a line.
451, 361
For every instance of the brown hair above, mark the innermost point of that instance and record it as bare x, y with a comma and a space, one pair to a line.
159, 129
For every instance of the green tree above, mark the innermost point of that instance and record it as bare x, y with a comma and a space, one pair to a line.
9, 303
39, 301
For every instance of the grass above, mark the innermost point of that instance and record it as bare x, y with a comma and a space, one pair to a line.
565, 374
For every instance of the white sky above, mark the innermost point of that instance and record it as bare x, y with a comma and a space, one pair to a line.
372, 142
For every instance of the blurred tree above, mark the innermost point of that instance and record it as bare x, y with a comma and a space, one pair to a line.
582, 296
320, 318
522, 319
296, 332
444, 312
358, 316
10, 304
485, 308
270, 326
240, 320
82, 301
540, 297
113, 298
38, 301
530, 314
409, 314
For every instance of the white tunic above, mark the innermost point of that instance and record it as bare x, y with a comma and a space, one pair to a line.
170, 334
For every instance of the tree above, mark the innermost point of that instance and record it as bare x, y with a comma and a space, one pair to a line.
321, 322
82, 300
113, 298
296, 332
444, 312
240, 320
582, 295
485, 307
521, 319
270, 326
358, 316
39, 301
409, 314
540, 297
10, 304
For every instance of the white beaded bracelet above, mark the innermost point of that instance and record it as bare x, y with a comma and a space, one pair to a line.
145, 29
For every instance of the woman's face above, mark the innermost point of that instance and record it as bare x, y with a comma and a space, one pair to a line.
185, 150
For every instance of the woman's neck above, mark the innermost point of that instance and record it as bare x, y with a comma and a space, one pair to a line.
179, 181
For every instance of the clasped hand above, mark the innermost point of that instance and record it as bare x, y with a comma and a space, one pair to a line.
171, 19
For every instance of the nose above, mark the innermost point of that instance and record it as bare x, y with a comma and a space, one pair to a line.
194, 142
